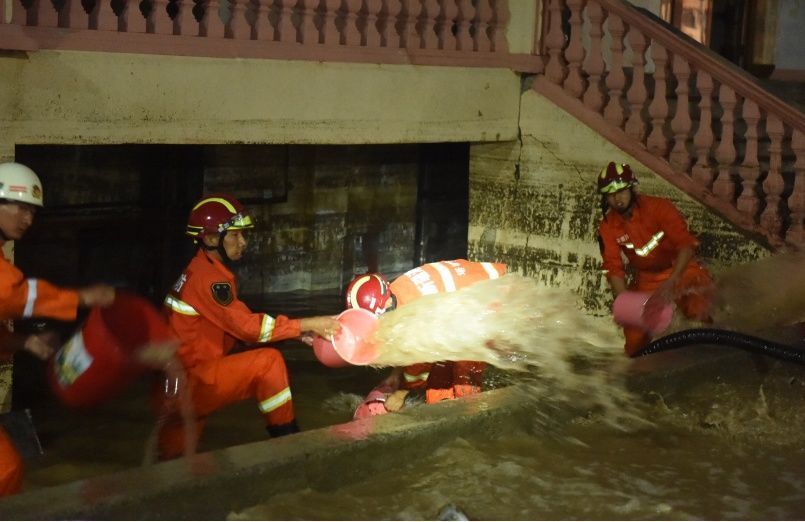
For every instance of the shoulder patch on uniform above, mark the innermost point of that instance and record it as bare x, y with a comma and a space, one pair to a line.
222, 293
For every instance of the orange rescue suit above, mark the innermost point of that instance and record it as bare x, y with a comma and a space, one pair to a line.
22, 298
207, 317
434, 278
651, 239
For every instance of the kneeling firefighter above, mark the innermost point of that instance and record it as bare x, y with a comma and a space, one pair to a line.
207, 317
442, 380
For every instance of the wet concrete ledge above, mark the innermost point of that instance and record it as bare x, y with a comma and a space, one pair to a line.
212, 485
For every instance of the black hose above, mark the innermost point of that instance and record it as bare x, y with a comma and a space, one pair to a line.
724, 338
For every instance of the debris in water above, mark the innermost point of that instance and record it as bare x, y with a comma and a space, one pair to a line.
451, 512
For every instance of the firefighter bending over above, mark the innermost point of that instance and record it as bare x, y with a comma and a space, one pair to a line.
653, 237
441, 380
21, 298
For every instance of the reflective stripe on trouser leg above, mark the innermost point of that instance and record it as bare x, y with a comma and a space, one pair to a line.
255, 374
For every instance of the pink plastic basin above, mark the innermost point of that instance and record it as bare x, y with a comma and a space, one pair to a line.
351, 345
629, 309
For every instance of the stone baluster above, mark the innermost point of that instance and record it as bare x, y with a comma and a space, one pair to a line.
373, 8
500, 20
285, 26
725, 153
408, 35
20, 13
332, 36
237, 27
352, 30
594, 62
185, 22
427, 18
750, 168
46, 14
133, 19
102, 17
466, 12
703, 139
774, 185
159, 21
657, 141
636, 125
574, 83
556, 68
389, 34
796, 201
616, 80
483, 18
73, 15
681, 123
447, 17
309, 35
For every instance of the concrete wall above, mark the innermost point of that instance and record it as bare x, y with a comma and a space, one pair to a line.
533, 204
101, 98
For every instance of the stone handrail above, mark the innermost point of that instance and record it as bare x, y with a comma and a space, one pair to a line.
718, 134
449, 32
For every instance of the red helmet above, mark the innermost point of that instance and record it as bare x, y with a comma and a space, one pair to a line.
370, 292
615, 177
216, 214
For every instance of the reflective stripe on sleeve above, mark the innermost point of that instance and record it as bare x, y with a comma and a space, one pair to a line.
179, 306
490, 270
272, 403
31, 300
447, 277
266, 329
650, 245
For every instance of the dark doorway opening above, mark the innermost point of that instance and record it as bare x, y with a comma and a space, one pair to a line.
117, 214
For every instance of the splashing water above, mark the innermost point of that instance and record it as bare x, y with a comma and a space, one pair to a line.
515, 324
509, 322
761, 295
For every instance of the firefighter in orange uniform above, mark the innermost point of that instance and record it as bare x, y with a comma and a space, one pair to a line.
208, 318
20, 298
442, 380
654, 238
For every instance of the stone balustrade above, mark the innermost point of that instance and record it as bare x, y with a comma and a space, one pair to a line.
736, 147
444, 32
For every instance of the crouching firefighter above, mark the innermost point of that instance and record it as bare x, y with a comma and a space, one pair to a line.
441, 380
208, 319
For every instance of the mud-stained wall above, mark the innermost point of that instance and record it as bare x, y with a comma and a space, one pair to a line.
533, 204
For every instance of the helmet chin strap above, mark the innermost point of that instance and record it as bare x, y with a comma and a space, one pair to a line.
222, 251
218, 248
